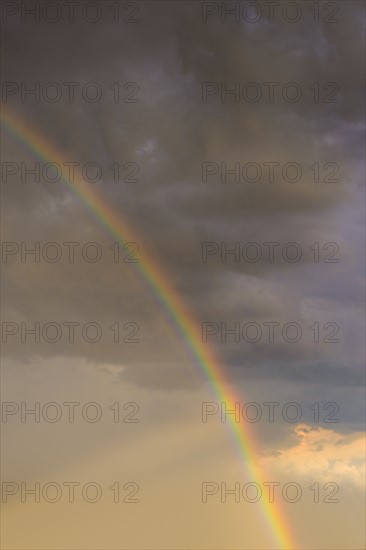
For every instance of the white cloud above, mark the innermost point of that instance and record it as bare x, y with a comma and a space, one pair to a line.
323, 454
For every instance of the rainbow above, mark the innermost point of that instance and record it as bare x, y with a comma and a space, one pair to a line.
186, 325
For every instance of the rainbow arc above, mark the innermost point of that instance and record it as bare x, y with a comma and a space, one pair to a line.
184, 322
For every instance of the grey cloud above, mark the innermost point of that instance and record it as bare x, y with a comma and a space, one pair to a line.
169, 54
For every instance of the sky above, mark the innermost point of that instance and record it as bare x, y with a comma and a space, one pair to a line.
231, 145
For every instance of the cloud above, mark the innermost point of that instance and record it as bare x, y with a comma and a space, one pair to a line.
170, 133
324, 455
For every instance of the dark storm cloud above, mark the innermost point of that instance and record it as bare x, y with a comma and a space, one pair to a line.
170, 133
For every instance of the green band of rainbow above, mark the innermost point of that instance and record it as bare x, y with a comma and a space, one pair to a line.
186, 325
